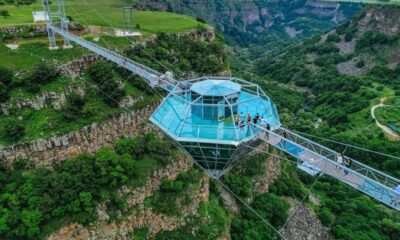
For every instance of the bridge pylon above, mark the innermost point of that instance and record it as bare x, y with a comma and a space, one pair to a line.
61, 16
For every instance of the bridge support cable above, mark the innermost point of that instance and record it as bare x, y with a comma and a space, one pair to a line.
372, 182
153, 78
347, 145
297, 163
130, 42
180, 147
308, 189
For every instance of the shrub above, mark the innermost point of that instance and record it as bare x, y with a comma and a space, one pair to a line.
4, 13
41, 74
327, 217
103, 75
171, 186
134, 147
3, 92
13, 131
360, 63
73, 107
239, 184
6, 76
274, 208
333, 38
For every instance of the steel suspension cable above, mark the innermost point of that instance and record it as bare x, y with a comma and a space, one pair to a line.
251, 209
286, 159
348, 145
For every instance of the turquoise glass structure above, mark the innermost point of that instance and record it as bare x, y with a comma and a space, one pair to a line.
208, 118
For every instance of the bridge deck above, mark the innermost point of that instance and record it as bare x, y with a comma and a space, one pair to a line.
320, 159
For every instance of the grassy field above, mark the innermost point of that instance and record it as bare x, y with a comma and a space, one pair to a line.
104, 13
29, 54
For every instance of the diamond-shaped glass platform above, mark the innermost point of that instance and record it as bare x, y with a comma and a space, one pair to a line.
208, 118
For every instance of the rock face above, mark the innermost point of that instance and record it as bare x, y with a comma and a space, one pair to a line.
43, 100
140, 216
304, 224
44, 152
34, 28
251, 21
76, 67
272, 172
385, 20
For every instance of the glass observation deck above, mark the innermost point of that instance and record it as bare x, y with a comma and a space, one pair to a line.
208, 117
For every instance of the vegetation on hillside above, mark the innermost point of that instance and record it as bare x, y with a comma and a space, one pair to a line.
36, 202
342, 103
182, 55
256, 22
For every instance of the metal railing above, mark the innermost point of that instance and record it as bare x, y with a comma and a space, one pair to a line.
375, 183
154, 78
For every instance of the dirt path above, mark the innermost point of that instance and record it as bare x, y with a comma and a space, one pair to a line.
392, 136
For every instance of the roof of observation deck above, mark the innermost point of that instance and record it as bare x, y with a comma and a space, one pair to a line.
216, 88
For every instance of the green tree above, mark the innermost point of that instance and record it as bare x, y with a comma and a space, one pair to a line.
13, 131
41, 74
31, 221
6, 76
4, 93
273, 208
103, 75
4, 13
73, 107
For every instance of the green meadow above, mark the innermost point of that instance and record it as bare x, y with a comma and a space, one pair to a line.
104, 13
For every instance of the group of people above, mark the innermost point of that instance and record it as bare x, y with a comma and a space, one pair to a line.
345, 161
240, 121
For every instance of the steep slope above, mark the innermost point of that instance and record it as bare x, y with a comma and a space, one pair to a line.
341, 75
260, 21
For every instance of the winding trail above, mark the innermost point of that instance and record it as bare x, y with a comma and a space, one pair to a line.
392, 136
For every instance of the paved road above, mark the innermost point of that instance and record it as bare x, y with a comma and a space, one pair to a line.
393, 136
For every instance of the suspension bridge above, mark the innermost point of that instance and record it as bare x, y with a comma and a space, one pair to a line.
207, 119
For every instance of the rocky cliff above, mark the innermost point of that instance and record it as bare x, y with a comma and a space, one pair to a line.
259, 21
44, 152
141, 216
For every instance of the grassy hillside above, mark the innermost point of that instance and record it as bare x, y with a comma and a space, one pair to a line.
104, 13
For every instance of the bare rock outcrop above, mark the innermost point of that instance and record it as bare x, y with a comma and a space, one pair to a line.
272, 172
304, 224
140, 216
385, 20
43, 100
91, 138
76, 67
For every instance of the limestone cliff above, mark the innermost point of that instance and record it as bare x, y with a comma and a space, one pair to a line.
257, 21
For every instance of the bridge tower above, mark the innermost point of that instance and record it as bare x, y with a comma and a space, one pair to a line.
61, 16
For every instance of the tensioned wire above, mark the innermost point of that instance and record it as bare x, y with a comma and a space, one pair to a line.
286, 159
178, 145
348, 145
218, 180
127, 38
108, 45
304, 197
241, 200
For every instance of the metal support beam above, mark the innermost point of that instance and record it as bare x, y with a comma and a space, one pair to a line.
64, 22
50, 32
127, 11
